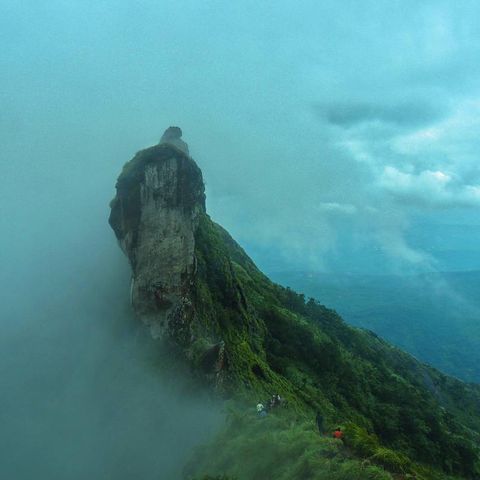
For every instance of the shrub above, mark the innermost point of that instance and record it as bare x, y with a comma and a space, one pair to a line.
395, 461
360, 441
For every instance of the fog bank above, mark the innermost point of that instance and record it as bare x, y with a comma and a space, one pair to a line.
83, 393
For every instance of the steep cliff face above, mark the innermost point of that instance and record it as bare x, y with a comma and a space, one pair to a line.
194, 284
160, 196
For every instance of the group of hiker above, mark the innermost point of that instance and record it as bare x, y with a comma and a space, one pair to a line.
263, 408
276, 401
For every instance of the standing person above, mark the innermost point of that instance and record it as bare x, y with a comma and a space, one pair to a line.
338, 433
319, 421
261, 412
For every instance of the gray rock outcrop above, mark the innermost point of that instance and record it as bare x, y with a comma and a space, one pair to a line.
160, 195
173, 136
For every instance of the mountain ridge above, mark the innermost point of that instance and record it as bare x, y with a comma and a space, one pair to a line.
435, 318
249, 337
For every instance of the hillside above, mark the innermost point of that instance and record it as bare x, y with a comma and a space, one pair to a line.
436, 317
249, 337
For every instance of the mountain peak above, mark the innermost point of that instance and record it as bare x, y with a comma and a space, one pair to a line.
160, 196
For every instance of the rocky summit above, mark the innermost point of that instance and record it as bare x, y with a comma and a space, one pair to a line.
250, 338
160, 198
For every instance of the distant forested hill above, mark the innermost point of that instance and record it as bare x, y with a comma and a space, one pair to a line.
436, 317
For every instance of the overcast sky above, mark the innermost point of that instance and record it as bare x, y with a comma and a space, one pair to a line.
338, 136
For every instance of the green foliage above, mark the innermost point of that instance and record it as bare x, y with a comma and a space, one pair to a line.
276, 342
435, 316
281, 447
393, 461
359, 440
368, 446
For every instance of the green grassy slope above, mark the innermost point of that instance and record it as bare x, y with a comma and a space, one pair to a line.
398, 412
436, 316
276, 447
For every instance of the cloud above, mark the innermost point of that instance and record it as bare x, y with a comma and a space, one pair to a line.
452, 142
429, 188
410, 114
395, 244
334, 207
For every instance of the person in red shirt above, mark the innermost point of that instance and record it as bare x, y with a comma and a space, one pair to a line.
338, 433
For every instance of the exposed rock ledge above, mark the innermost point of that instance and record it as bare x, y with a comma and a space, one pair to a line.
155, 213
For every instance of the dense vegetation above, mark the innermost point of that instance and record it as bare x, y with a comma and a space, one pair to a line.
435, 317
398, 413
275, 447
287, 447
